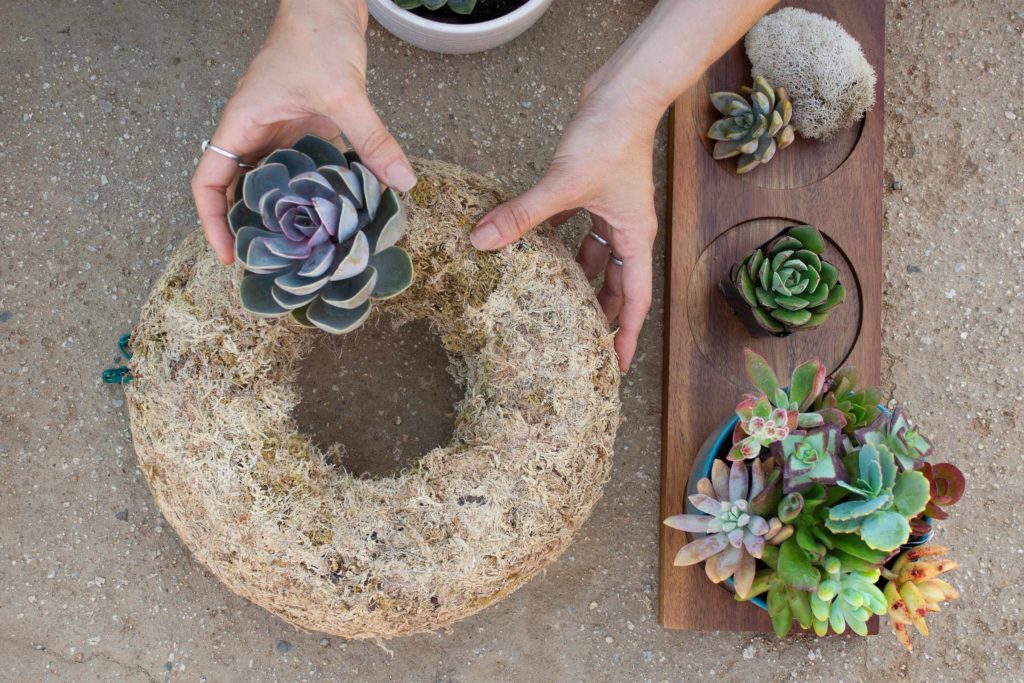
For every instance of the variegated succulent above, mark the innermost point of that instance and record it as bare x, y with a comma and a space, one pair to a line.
457, 6
769, 417
735, 536
914, 589
316, 231
753, 129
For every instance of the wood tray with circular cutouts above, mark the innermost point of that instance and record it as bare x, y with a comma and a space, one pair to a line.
717, 216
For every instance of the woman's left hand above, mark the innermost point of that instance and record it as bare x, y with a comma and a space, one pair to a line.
603, 164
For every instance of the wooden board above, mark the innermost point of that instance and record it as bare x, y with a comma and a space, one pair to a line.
716, 217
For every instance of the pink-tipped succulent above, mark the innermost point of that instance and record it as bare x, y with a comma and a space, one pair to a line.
760, 425
770, 417
736, 536
315, 231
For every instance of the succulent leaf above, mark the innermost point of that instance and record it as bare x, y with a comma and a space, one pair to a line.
320, 151
257, 298
336, 320
261, 180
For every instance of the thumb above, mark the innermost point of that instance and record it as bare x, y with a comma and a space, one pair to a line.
374, 144
513, 219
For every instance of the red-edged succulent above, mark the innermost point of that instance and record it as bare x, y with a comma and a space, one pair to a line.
895, 431
947, 484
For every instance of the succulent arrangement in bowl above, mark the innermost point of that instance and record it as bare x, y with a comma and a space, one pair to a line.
816, 503
785, 286
316, 233
456, 6
754, 124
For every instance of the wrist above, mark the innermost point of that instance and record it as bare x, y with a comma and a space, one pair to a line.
628, 102
317, 11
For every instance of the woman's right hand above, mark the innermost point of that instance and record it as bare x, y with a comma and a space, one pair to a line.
309, 77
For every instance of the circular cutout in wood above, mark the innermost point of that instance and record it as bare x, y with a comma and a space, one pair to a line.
720, 334
803, 163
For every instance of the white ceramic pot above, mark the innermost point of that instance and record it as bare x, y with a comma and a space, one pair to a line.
438, 36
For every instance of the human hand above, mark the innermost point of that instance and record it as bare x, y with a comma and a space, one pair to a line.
603, 164
309, 77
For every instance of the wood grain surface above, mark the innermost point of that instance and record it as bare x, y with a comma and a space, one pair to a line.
716, 217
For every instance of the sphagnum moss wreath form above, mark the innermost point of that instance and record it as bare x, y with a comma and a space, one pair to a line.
265, 510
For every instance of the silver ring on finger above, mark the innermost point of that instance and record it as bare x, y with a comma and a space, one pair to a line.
208, 146
599, 238
616, 260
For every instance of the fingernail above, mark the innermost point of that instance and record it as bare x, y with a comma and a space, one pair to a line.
400, 177
485, 237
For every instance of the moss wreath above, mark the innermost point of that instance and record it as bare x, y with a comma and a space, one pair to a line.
268, 513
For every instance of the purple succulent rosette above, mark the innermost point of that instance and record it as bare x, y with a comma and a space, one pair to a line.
316, 231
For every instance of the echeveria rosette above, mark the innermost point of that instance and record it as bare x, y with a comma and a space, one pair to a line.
316, 231
753, 129
786, 284
810, 457
736, 536
895, 431
805, 386
884, 499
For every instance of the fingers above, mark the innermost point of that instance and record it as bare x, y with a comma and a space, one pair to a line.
637, 273
592, 255
372, 141
610, 296
513, 219
209, 189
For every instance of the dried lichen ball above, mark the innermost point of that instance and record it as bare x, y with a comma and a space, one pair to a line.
820, 65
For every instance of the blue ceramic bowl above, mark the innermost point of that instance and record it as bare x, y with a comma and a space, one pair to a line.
717, 447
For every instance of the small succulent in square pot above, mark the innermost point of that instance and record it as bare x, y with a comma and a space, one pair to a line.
316, 232
784, 285
818, 508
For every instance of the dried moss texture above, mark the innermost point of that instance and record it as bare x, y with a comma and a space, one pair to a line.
265, 511
820, 65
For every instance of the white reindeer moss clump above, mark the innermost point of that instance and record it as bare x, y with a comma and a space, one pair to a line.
820, 65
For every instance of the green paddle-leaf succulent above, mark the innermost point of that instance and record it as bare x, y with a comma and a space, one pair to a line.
884, 500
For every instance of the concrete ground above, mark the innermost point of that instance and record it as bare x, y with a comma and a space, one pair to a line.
102, 107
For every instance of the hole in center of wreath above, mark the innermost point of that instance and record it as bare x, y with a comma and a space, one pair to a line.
382, 394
